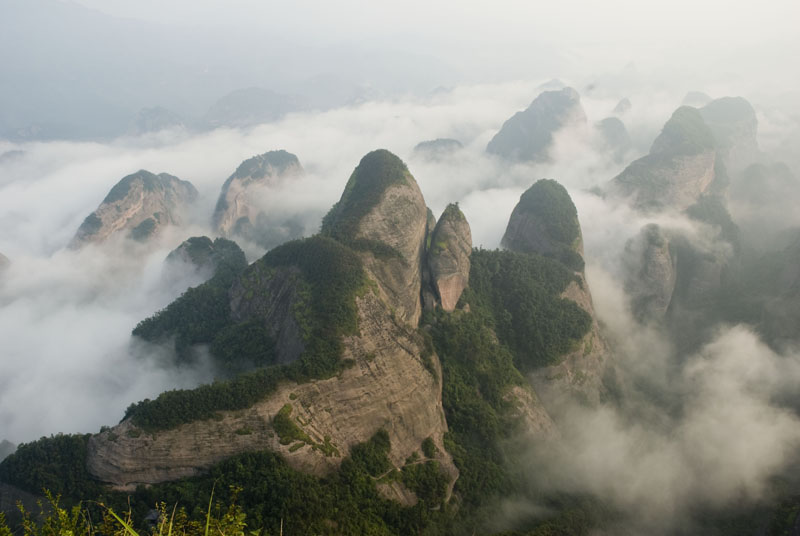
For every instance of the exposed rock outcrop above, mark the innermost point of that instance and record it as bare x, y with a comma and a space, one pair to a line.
448, 256
545, 222
140, 204
392, 382
678, 170
4, 262
528, 135
437, 149
389, 386
271, 296
733, 122
651, 271
429, 299
383, 216
238, 211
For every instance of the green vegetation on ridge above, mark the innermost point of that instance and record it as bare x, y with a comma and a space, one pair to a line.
684, 133
376, 172
334, 276
521, 292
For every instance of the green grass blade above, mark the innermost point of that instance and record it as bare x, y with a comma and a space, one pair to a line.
208, 514
128, 528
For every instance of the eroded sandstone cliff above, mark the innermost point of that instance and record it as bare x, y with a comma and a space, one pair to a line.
448, 256
140, 205
239, 210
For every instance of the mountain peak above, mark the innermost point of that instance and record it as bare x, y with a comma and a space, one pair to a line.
140, 203
545, 221
684, 133
528, 135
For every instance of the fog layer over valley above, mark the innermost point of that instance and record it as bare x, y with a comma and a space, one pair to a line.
702, 417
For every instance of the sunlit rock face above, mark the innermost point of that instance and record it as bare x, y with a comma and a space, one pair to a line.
139, 205
383, 216
528, 135
239, 211
448, 256
390, 383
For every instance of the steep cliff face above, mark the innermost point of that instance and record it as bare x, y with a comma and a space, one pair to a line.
580, 372
448, 256
140, 204
347, 382
733, 122
238, 212
528, 135
678, 170
545, 222
674, 279
383, 216
271, 296
651, 272
389, 386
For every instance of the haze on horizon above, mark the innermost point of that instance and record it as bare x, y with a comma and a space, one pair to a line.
335, 82
84, 69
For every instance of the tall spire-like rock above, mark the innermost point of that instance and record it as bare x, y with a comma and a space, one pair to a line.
448, 256
382, 215
545, 222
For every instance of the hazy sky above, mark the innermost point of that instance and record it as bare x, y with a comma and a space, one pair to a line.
609, 29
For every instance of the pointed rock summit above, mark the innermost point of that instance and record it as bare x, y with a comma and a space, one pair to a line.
651, 272
448, 256
382, 215
545, 221
679, 169
238, 212
528, 135
338, 312
140, 204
